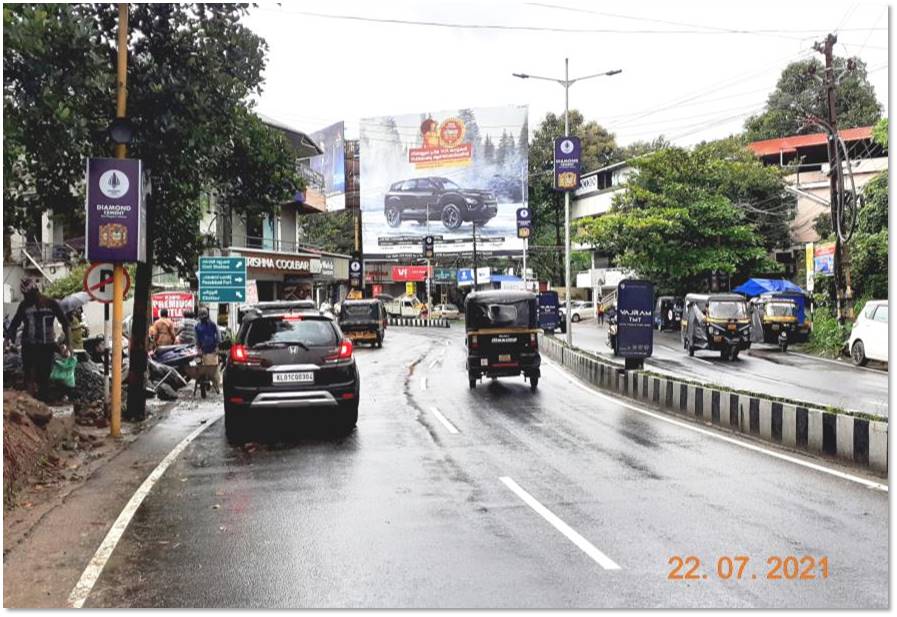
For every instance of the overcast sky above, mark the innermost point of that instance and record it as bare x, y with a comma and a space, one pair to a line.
686, 75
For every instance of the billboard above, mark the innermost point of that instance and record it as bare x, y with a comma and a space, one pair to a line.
175, 301
824, 259
331, 166
449, 171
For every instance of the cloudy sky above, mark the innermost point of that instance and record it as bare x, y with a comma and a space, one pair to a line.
691, 70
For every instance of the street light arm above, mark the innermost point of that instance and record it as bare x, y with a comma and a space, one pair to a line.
526, 76
605, 74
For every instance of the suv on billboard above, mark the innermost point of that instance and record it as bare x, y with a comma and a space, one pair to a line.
408, 200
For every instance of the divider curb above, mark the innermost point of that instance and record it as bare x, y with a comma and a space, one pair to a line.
860, 441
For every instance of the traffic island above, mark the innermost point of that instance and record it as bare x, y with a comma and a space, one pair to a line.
860, 439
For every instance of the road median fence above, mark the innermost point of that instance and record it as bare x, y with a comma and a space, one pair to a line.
859, 440
412, 322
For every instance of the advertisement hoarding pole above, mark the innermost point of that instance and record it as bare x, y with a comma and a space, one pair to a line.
525, 245
568, 312
118, 272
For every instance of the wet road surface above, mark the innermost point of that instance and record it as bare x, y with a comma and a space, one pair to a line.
763, 368
416, 507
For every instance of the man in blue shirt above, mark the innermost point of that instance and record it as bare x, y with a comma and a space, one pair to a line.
207, 340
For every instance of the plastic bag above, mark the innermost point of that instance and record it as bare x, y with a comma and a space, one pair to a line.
64, 370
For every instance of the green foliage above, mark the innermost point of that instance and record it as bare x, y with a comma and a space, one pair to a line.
192, 70
798, 94
686, 214
330, 231
828, 337
869, 246
880, 133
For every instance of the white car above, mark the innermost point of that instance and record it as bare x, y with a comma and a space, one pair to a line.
446, 311
869, 337
580, 310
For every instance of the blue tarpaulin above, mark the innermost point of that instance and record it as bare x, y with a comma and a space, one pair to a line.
756, 287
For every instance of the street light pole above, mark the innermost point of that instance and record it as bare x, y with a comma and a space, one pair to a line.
567, 82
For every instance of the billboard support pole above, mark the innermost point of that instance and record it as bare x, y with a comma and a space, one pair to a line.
475, 263
118, 272
525, 244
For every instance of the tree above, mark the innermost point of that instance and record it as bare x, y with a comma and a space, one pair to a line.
191, 71
799, 92
330, 231
599, 149
869, 247
676, 224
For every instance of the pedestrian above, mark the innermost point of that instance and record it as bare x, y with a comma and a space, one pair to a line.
36, 314
77, 329
601, 314
187, 331
207, 340
162, 330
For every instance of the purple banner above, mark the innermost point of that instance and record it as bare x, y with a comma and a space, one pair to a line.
567, 161
116, 215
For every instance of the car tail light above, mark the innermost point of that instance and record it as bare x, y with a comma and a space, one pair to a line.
236, 399
344, 352
292, 318
238, 354
533, 340
348, 395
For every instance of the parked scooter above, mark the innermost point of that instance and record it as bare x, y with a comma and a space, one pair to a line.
178, 357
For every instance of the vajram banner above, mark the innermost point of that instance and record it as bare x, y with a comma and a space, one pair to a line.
442, 173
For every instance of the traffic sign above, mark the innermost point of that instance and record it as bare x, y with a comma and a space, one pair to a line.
222, 279
428, 247
524, 222
98, 282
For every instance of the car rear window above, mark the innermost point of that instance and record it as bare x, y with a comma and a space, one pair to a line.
509, 314
311, 332
359, 311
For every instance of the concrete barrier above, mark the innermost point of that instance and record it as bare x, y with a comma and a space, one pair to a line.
857, 440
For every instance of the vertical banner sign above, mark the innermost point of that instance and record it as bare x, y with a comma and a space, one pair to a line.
356, 272
409, 288
824, 259
222, 279
567, 155
635, 319
524, 222
116, 214
809, 265
428, 247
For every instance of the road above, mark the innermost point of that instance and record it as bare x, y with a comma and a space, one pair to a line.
762, 369
494, 497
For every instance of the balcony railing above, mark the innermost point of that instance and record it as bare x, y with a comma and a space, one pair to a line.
279, 246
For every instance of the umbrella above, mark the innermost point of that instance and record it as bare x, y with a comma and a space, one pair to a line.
70, 303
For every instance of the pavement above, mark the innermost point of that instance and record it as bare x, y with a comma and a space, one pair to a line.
763, 369
495, 497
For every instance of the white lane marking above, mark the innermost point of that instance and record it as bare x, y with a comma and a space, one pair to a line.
95, 567
737, 442
445, 421
839, 363
584, 545
423, 384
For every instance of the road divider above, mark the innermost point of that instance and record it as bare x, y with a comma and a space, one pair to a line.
860, 441
410, 322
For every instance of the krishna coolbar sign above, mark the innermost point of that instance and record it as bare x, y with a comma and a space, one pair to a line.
310, 265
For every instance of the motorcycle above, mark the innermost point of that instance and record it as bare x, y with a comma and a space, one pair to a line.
178, 357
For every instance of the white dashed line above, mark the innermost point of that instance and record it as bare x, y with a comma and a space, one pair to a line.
445, 421
95, 567
737, 442
423, 384
584, 545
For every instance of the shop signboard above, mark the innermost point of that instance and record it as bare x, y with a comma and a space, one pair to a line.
116, 215
445, 275
465, 277
176, 302
409, 273
472, 165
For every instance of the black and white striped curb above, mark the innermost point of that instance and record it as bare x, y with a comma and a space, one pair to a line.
419, 323
858, 440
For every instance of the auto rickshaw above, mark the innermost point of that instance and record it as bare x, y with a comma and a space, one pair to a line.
803, 305
668, 313
363, 321
773, 321
717, 322
502, 335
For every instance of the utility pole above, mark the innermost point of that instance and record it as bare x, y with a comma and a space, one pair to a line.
118, 275
842, 292
475, 281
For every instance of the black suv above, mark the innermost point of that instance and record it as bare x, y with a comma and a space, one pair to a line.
412, 200
289, 361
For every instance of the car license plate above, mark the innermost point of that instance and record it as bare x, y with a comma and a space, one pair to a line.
732, 327
484, 362
775, 326
504, 357
303, 377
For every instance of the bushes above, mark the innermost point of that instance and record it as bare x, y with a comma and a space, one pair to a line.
828, 337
